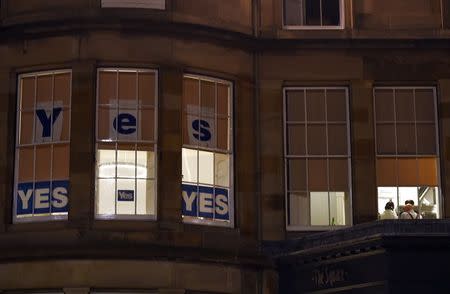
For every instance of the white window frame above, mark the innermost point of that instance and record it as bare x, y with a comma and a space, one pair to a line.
436, 122
155, 144
44, 218
200, 220
341, 26
286, 158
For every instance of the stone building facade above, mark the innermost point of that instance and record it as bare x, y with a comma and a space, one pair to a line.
162, 146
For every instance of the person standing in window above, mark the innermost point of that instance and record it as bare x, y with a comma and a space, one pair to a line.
408, 211
389, 212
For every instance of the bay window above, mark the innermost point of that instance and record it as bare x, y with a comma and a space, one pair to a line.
407, 148
41, 190
126, 144
317, 158
207, 181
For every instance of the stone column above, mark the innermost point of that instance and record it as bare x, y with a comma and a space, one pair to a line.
444, 134
7, 143
169, 145
364, 196
82, 145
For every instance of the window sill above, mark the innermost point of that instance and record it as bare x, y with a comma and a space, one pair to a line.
315, 228
312, 28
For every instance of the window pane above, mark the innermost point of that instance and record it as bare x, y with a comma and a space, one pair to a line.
338, 175
319, 209
429, 202
43, 161
206, 167
317, 141
189, 165
44, 93
425, 105
126, 161
105, 118
61, 127
426, 138
315, 105
384, 105
146, 88
386, 139
207, 99
386, 194
106, 196
107, 87
407, 193
297, 175
404, 105
407, 171
26, 163
222, 169
406, 139
106, 161
337, 140
338, 208
312, 12
146, 197
299, 209
145, 162
223, 99
126, 123
28, 92
26, 127
147, 124
295, 105
191, 98
126, 196
187, 129
317, 175
293, 12
222, 134
296, 140
427, 172
387, 170
330, 12
127, 88
337, 105
62, 88
60, 162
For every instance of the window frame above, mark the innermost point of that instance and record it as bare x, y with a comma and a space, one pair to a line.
416, 155
36, 74
231, 202
286, 158
341, 26
154, 143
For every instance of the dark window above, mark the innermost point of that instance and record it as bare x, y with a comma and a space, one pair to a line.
312, 12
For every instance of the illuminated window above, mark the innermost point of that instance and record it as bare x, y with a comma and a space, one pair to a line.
207, 194
317, 157
153, 4
313, 14
407, 153
42, 146
126, 144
